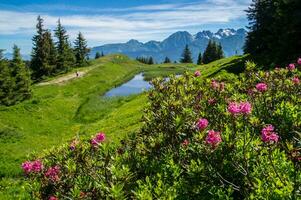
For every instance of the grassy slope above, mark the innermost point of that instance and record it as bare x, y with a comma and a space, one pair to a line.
57, 113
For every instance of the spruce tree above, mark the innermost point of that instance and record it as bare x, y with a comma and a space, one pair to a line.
150, 61
65, 58
274, 31
102, 54
212, 52
219, 52
199, 62
6, 83
97, 55
186, 56
40, 54
81, 50
21, 76
51, 51
167, 60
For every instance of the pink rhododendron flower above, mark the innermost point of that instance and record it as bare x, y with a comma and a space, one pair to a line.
296, 80
245, 108
214, 84
299, 61
73, 145
291, 67
27, 166
213, 138
262, 87
185, 143
100, 137
53, 198
212, 101
53, 173
197, 73
268, 134
234, 108
37, 166
32, 166
202, 124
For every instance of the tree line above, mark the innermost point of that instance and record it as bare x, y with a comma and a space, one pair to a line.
274, 31
51, 57
213, 51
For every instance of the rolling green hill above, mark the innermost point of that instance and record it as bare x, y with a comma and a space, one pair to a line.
61, 111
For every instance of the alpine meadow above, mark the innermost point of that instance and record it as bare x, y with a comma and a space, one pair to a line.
142, 100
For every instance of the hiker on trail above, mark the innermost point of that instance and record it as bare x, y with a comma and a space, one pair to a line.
77, 74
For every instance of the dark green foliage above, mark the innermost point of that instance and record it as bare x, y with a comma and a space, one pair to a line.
150, 61
14, 79
6, 82
274, 36
146, 60
186, 56
102, 54
40, 56
213, 52
81, 50
167, 60
21, 76
66, 58
199, 62
97, 55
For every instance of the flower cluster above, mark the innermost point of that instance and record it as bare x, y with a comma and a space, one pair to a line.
213, 138
296, 80
268, 134
299, 61
239, 108
53, 198
32, 166
202, 124
185, 143
100, 137
197, 73
53, 173
217, 86
291, 67
262, 87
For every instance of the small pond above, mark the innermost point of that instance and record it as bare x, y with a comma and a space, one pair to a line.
135, 86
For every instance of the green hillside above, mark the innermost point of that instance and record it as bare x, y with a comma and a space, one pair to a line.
59, 112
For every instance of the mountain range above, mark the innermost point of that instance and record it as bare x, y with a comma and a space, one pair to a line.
231, 40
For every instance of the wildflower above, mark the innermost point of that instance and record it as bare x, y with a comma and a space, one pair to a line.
37, 166
185, 143
296, 80
27, 166
214, 84
197, 73
53, 173
32, 166
73, 145
100, 137
245, 108
213, 138
268, 134
234, 108
212, 101
299, 61
291, 67
262, 87
202, 124
53, 198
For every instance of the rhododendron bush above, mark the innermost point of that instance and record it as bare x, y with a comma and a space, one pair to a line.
201, 139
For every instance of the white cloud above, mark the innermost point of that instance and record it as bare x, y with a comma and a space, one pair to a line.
143, 22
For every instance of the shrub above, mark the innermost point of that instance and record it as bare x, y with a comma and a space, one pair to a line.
201, 139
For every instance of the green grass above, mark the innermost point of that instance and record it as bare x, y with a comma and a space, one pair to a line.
57, 113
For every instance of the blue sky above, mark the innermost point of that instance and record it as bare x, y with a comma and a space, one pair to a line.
112, 21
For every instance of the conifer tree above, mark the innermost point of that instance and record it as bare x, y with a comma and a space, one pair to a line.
150, 61
40, 54
220, 52
213, 52
186, 56
51, 51
81, 50
167, 60
6, 82
21, 76
199, 62
65, 58
97, 55
102, 54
